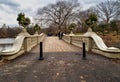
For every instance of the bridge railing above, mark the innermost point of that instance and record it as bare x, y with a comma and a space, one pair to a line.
23, 43
92, 45
31, 41
78, 40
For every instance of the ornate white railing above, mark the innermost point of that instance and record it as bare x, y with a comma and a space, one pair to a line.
23, 43
93, 43
78, 40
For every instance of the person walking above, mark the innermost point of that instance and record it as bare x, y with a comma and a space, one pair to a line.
59, 34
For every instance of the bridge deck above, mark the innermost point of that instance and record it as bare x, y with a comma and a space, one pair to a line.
53, 44
62, 63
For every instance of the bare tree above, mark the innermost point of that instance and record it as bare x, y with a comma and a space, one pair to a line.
117, 17
81, 17
58, 13
108, 10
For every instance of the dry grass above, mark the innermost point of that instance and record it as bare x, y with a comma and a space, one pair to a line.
112, 40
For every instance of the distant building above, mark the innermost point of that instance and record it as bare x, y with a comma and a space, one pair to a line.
3, 31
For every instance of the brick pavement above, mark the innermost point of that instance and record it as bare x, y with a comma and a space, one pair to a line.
62, 63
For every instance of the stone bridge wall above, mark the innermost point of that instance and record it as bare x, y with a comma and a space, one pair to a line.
28, 43
90, 45
78, 40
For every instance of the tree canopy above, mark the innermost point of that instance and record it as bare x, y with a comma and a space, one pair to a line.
37, 27
71, 26
22, 20
59, 13
91, 20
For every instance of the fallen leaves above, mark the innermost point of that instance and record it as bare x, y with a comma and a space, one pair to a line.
83, 77
58, 74
3, 62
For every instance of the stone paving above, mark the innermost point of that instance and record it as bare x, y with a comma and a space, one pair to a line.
62, 63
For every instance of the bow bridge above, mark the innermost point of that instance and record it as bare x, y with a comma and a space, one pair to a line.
24, 43
62, 60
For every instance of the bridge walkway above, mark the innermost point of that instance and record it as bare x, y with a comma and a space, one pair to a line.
62, 63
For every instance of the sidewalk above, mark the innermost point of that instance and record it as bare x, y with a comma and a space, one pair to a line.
62, 63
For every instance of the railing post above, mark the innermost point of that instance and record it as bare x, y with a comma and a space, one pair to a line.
70, 39
84, 51
41, 51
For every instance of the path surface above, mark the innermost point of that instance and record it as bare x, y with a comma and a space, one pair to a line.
62, 63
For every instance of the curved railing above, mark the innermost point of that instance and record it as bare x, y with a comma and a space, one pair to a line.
100, 43
77, 40
23, 43
93, 43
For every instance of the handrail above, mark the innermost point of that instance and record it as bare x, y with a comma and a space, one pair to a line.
88, 38
77, 40
100, 43
93, 43
23, 43
17, 44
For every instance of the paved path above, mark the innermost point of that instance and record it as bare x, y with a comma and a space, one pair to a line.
62, 63
53, 44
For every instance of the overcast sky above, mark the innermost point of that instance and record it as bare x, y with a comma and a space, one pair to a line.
9, 9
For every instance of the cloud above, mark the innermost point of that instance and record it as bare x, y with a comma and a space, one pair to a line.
9, 9
92, 1
8, 12
86, 4
8, 19
9, 3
